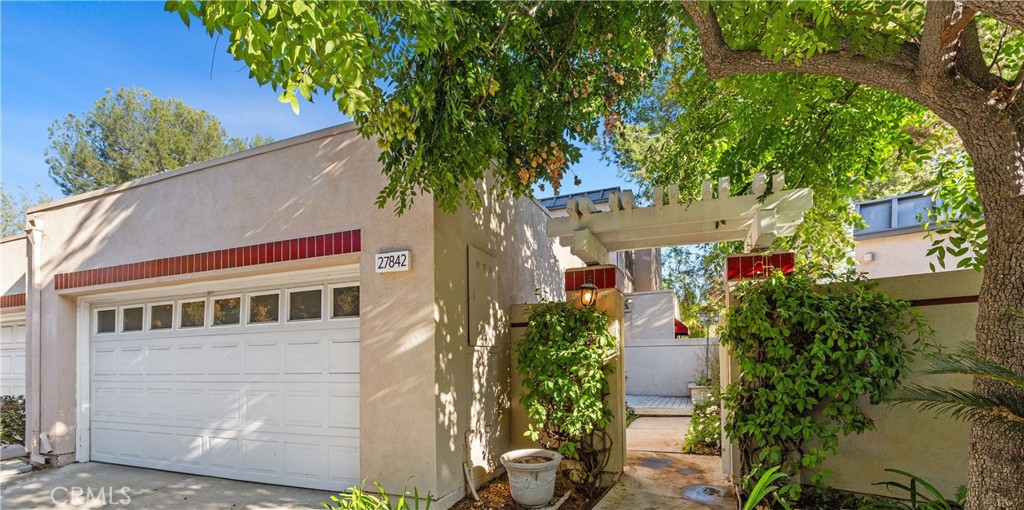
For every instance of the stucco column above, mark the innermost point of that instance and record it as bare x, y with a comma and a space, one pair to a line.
738, 268
611, 301
33, 287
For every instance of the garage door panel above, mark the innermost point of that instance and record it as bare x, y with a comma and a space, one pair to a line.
275, 403
344, 411
12, 357
304, 357
263, 357
343, 465
344, 358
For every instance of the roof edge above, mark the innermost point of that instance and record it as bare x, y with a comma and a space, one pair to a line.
256, 151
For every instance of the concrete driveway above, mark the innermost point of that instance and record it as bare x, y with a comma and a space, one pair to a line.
122, 487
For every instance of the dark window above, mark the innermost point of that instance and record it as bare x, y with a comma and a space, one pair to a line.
160, 316
877, 216
106, 321
345, 302
193, 314
264, 308
304, 305
912, 211
132, 319
227, 311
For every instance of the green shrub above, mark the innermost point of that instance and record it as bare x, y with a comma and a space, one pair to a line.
12, 419
563, 360
705, 432
806, 355
356, 499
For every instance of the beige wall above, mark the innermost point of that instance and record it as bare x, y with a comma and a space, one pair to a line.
920, 442
473, 381
13, 261
318, 183
897, 255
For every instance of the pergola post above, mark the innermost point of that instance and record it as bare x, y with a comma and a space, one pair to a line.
609, 281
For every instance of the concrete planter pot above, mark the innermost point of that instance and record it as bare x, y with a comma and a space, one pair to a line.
699, 393
532, 484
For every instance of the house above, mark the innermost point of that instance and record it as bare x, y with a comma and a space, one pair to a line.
893, 241
12, 315
233, 318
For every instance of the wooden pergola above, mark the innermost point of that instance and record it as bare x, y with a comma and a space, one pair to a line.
757, 219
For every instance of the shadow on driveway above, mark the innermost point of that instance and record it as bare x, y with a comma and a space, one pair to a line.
123, 487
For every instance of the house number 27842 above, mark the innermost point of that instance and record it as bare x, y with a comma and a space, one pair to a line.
392, 261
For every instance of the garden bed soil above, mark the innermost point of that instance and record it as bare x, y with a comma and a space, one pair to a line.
495, 495
531, 459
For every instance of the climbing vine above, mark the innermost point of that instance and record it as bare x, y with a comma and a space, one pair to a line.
807, 354
563, 360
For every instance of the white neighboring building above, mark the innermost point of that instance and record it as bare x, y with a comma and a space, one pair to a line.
894, 243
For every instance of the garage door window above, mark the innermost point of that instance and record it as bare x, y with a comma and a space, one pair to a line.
264, 308
193, 314
345, 302
106, 321
227, 311
305, 305
160, 316
131, 319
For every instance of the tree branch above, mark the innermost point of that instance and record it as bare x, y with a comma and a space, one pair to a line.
895, 73
970, 62
1009, 12
937, 54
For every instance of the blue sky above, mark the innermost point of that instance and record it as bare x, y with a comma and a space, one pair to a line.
59, 58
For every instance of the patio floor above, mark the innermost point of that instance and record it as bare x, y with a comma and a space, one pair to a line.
658, 477
660, 405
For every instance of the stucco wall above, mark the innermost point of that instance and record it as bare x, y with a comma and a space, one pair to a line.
13, 261
657, 363
318, 183
920, 442
472, 381
897, 255
651, 315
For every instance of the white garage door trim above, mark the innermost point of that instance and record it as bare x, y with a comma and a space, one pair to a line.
323, 278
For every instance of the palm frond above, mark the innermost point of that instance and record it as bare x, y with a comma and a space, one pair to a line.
1005, 413
969, 362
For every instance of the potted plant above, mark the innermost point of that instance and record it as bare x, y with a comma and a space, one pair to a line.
700, 390
706, 374
531, 475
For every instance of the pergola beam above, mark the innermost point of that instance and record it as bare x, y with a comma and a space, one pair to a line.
757, 219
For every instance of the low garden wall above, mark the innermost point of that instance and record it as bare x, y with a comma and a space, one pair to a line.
930, 446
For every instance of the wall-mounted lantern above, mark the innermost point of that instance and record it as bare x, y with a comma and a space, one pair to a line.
588, 293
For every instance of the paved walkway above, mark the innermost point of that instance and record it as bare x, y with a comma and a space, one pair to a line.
660, 405
659, 477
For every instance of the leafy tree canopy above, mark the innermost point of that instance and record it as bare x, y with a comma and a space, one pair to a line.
131, 134
453, 90
13, 207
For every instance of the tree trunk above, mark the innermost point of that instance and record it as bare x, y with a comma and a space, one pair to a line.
996, 471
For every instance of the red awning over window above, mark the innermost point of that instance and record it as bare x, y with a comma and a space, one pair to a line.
681, 328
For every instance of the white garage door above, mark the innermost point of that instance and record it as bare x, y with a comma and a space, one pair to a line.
12, 357
258, 384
